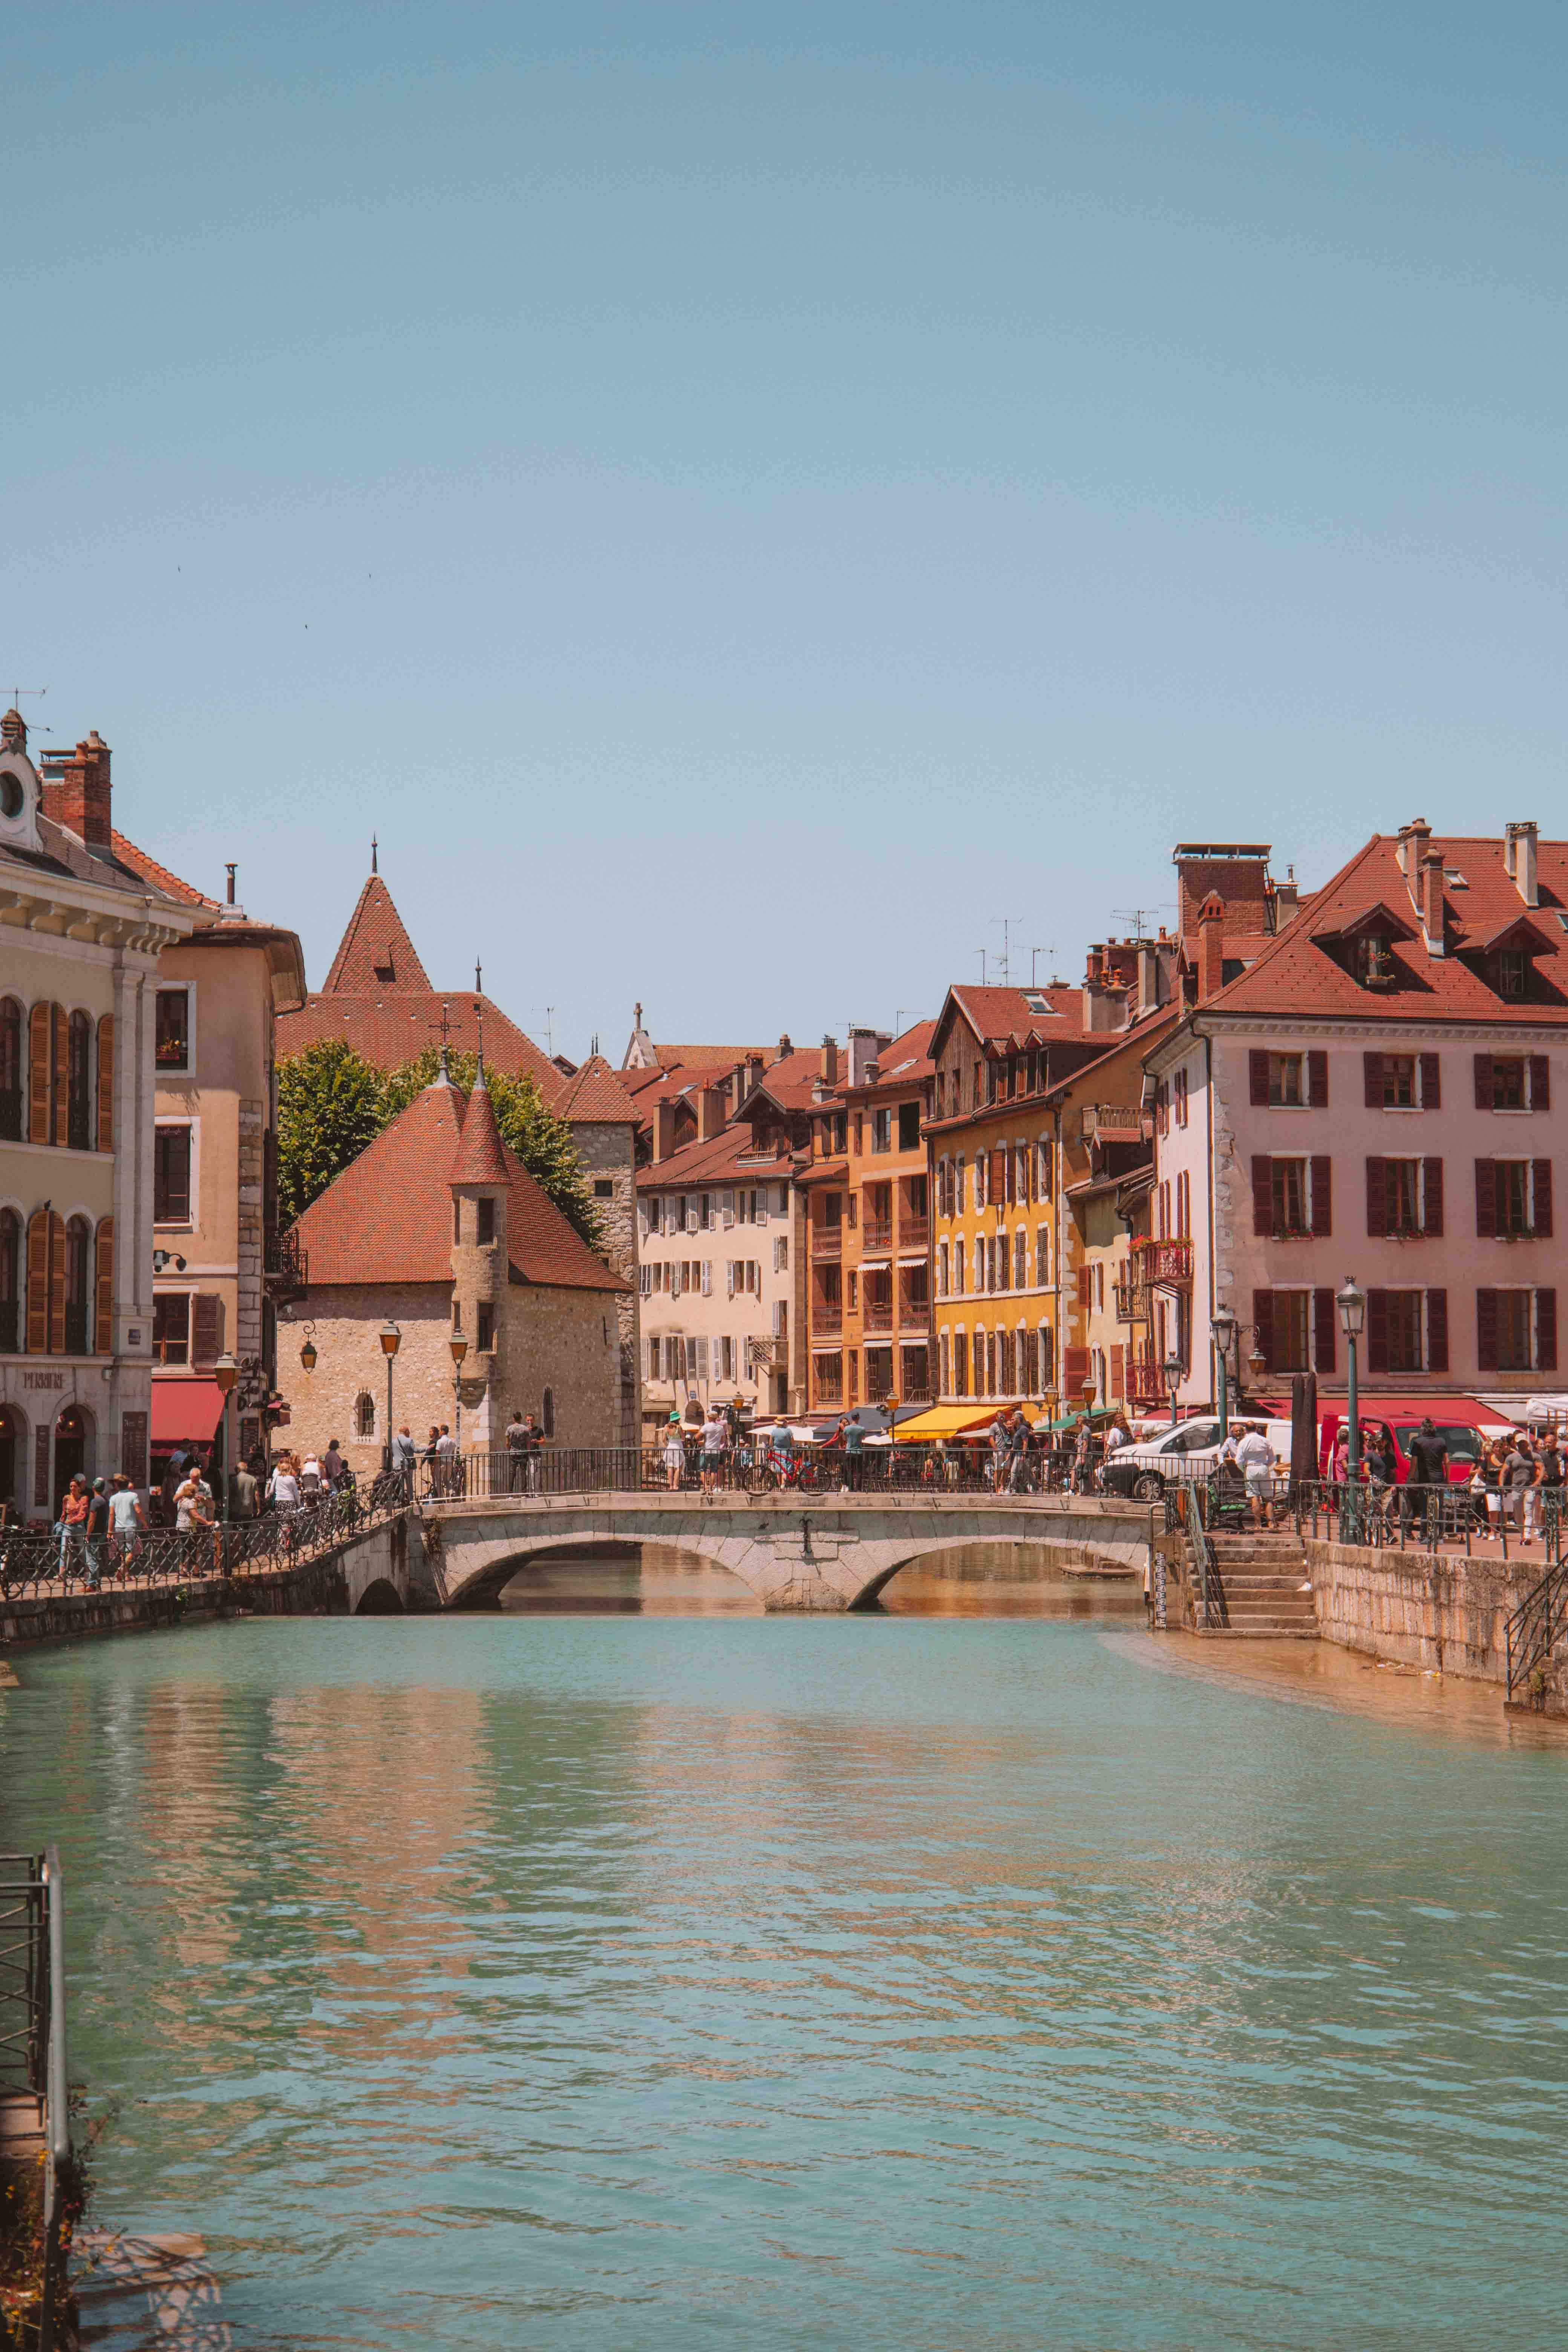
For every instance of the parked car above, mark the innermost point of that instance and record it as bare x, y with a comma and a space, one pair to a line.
1467, 1427
1189, 1452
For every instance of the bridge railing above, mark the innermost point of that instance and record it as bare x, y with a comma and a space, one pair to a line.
33, 2069
820, 1472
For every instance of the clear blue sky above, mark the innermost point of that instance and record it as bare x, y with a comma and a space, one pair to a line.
742, 500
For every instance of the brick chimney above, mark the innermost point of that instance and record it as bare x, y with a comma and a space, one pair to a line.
829, 1062
712, 1112
785, 1048
76, 790
1211, 947
1432, 900
1412, 840
663, 1130
1518, 861
13, 732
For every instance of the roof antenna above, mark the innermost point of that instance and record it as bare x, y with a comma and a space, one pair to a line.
373, 846
477, 982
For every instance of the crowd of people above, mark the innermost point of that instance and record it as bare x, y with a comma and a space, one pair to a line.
1013, 1456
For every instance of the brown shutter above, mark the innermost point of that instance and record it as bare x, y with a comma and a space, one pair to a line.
1437, 1330
1431, 1083
206, 1329
1483, 1081
1118, 1368
1431, 1188
1085, 1278
60, 1046
41, 1466
1322, 1212
56, 1284
1540, 1189
997, 1186
103, 1290
1318, 1080
1258, 1078
39, 1063
106, 1083
1325, 1323
1546, 1330
38, 1283
1263, 1197
1377, 1330
1372, 1072
1377, 1199
1486, 1331
1486, 1193
1075, 1368
1540, 1083
1263, 1316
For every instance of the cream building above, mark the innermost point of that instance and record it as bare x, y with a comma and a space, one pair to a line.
81, 932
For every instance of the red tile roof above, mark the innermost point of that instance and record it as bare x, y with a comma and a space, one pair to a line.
597, 1098
375, 952
1011, 1016
390, 1027
727, 1158
482, 1157
388, 1217
1296, 974
159, 876
905, 1063
706, 1057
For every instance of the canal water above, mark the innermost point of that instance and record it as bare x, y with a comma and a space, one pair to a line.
608, 1980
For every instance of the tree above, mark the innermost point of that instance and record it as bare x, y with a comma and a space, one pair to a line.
331, 1103
329, 1108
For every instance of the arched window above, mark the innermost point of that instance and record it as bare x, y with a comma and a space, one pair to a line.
78, 1124
364, 1414
10, 1284
10, 1070
547, 1412
78, 1243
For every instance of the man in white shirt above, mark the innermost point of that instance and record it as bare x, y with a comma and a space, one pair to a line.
1254, 1457
715, 1437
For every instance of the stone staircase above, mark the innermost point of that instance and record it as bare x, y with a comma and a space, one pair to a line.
1262, 1573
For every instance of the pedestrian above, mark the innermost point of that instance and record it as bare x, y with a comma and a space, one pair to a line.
516, 1452
334, 1469
1000, 1452
1017, 1445
854, 1456
432, 1461
1428, 1470
283, 1487
97, 1534
715, 1438
243, 1493
1255, 1459
127, 1524
403, 1457
1382, 1468
674, 1453
311, 1479
73, 1527
1517, 1477
446, 1460
192, 1518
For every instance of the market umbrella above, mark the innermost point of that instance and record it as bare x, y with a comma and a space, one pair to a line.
1303, 1428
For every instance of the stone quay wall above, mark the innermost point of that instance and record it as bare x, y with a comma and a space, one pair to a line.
1420, 1609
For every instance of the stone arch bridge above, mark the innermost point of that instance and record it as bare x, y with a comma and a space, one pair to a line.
792, 1555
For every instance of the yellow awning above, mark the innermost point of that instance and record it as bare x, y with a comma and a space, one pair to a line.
946, 1420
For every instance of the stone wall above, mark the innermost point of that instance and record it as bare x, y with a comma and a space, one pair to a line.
608, 1157
1444, 1612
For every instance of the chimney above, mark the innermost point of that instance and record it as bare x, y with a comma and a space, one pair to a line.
710, 1113
873, 1072
13, 732
785, 1048
1412, 840
76, 790
1432, 900
663, 1130
1148, 977
229, 870
829, 1062
1287, 900
1518, 861
1211, 947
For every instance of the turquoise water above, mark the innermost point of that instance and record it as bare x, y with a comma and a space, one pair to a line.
600, 1982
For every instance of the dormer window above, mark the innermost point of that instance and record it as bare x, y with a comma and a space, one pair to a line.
1513, 973
1374, 959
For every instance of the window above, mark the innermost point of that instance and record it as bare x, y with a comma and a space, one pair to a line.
171, 1176
942, 1269
1181, 1106
1401, 1204
486, 1333
1511, 1178
1508, 1082
852, 1280
959, 1364
10, 1070
958, 1269
1285, 1091
1374, 959
881, 1131
780, 1255
78, 1245
1285, 1341
10, 1282
1020, 1259
78, 1082
364, 1414
171, 1328
547, 1412
1399, 1081
172, 1029
908, 1126
1403, 1309
1042, 1256
860, 1133
604, 1188
1289, 1196
1513, 973
486, 1210
1514, 1197
653, 1359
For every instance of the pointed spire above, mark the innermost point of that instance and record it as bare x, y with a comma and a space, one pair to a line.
481, 1157
375, 951
374, 845
479, 983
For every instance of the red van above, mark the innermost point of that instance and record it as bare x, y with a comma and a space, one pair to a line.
1464, 1421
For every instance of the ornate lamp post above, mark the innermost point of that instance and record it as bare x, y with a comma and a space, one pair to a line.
391, 1340
225, 1372
308, 1353
1172, 1381
459, 1347
1352, 1304
1222, 1323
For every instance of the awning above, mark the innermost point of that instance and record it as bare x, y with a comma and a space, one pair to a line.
185, 1413
946, 1420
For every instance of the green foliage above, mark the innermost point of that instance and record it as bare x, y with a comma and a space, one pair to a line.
329, 1108
333, 1103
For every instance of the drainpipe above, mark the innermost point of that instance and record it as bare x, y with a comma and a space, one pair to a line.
1213, 1200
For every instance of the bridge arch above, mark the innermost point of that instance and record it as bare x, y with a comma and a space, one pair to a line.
381, 1598
483, 1591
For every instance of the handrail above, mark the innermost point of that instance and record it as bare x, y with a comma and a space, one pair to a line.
36, 1977
1209, 1588
56, 2105
1533, 1629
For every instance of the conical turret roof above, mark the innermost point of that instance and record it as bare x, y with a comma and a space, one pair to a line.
480, 1158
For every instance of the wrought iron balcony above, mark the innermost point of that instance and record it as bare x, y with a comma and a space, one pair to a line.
827, 1241
1131, 1302
827, 1319
914, 1232
285, 1264
877, 1234
1165, 1262
877, 1315
1145, 1385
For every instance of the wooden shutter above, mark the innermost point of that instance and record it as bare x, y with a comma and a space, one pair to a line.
1075, 1367
206, 1328
1325, 1324
1431, 1083
106, 1083
1263, 1316
60, 1056
1540, 1083
1263, 1197
1318, 1080
1376, 1198
41, 1466
1546, 1330
1118, 1368
56, 1284
1432, 1196
40, 1062
1541, 1199
1437, 1330
1377, 1330
1486, 1331
38, 1283
103, 1289
1085, 1278
1320, 1171
1483, 1081
996, 1182
1486, 1193
1257, 1078
1372, 1071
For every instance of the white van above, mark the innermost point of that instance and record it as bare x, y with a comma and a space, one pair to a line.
1187, 1453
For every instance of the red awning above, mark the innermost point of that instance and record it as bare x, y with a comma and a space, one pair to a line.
185, 1413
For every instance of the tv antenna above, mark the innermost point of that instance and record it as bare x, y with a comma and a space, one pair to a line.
549, 1012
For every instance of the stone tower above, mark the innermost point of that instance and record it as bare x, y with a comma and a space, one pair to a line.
480, 1185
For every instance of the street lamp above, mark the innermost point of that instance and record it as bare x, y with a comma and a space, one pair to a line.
1222, 1323
224, 1373
307, 1354
459, 1347
1172, 1381
1352, 1304
391, 1340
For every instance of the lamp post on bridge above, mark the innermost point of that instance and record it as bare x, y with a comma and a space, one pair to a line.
1172, 1381
460, 1348
391, 1340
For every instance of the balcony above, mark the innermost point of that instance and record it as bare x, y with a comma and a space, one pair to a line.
1146, 1387
828, 1320
877, 1234
827, 1241
877, 1315
770, 1352
285, 1264
1131, 1302
914, 1232
1165, 1262
1123, 1122
914, 1315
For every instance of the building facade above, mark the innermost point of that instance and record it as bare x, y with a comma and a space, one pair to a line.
83, 935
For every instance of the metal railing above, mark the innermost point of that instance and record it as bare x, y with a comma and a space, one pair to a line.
914, 1232
1423, 1519
33, 2068
750, 1468
877, 1234
877, 1315
1534, 1631
1165, 1261
284, 1263
827, 1241
1208, 1586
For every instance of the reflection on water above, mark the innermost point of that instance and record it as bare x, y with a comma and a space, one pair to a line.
493, 1981
992, 1580
646, 1580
